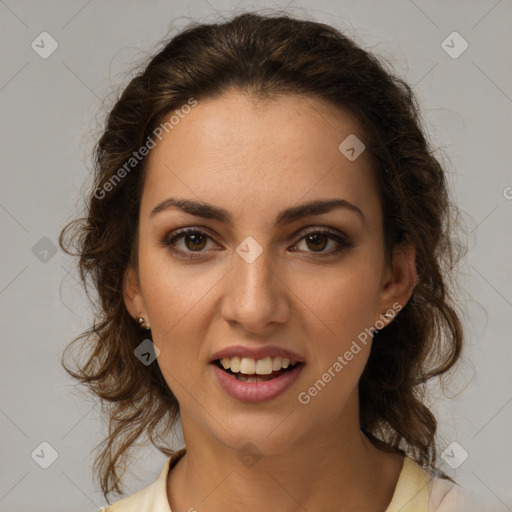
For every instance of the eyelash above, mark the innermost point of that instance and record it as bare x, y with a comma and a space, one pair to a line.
168, 241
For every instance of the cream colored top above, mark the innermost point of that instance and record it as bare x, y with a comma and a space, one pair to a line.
416, 491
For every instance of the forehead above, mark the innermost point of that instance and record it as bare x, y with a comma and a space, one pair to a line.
245, 151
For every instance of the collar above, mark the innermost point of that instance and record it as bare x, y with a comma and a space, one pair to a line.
411, 491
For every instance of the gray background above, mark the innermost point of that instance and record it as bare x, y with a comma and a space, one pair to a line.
50, 110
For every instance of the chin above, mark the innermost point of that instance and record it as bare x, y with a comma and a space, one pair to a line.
266, 434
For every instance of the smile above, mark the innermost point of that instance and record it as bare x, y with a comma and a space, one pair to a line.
256, 380
255, 370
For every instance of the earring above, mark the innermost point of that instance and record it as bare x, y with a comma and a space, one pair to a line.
143, 323
388, 315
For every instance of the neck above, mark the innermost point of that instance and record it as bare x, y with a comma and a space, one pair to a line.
337, 469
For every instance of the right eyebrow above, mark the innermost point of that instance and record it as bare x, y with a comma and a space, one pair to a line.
287, 216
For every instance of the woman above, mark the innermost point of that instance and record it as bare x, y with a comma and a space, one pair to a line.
269, 236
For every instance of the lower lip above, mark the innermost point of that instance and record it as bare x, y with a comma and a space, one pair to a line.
256, 391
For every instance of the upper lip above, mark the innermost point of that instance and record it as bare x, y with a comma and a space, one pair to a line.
257, 353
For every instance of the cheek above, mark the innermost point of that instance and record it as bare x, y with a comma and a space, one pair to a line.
333, 306
343, 305
343, 302
172, 298
340, 337
173, 291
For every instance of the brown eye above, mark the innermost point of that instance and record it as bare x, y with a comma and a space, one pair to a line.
195, 240
317, 241
187, 243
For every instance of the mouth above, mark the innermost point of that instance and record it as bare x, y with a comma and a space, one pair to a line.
247, 369
256, 381
256, 374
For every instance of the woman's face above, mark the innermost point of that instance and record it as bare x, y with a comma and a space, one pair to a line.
255, 284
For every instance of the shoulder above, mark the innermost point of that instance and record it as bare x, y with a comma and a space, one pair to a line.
152, 498
446, 496
419, 490
412, 489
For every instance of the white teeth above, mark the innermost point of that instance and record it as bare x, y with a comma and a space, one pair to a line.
249, 366
276, 363
264, 366
234, 364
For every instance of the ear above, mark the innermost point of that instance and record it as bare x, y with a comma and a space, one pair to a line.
132, 295
398, 282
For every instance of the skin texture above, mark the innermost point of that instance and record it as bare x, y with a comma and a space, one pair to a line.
255, 159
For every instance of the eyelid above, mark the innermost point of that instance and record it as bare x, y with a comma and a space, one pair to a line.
343, 241
173, 235
189, 230
321, 229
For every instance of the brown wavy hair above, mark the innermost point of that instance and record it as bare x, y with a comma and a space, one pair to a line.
266, 56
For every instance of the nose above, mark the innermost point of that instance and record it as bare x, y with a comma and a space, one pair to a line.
255, 294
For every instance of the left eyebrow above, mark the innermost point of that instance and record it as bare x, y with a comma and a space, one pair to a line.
287, 216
